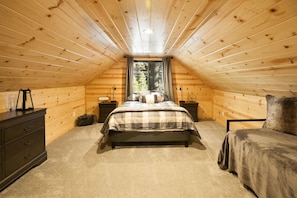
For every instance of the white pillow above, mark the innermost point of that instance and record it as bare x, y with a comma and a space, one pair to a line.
160, 97
150, 99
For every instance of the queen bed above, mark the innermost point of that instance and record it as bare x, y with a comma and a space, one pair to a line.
140, 122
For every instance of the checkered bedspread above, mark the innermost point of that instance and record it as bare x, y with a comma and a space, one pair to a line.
142, 117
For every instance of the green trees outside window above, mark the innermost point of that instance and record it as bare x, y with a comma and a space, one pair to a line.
148, 75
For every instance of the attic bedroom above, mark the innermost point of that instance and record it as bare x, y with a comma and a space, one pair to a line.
226, 55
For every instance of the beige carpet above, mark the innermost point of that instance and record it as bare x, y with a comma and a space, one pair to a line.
76, 168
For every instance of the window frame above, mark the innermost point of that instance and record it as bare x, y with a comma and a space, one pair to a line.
154, 79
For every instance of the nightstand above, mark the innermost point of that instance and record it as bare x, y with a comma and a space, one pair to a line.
105, 108
192, 108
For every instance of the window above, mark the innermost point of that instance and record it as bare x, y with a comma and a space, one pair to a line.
148, 75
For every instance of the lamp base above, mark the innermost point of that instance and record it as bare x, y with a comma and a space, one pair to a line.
25, 109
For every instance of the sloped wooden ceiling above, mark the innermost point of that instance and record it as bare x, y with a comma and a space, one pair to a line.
51, 43
246, 46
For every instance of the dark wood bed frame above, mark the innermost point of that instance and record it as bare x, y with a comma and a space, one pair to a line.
120, 138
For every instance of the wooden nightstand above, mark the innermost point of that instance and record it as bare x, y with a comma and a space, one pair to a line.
104, 109
192, 108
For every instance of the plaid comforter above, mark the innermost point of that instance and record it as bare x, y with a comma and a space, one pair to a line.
142, 117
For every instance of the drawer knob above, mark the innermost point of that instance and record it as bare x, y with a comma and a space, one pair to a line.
27, 128
27, 156
27, 143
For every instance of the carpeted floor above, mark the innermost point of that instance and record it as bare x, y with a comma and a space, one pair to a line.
76, 167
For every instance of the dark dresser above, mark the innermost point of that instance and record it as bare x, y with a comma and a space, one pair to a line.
22, 143
104, 109
192, 108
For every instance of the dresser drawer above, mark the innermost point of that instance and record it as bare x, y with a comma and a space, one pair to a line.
22, 129
23, 150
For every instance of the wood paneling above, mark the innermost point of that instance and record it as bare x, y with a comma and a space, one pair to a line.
192, 89
243, 49
243, 46
228, 105
50, 44
248, 47
103, 86
63, 105
172, 22
182, 77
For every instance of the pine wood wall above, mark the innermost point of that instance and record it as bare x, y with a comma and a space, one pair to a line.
182, 77
103, 86
191, 86
63, 105
228, 105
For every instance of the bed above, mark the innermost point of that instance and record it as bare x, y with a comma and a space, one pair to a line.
265, 159
138, 122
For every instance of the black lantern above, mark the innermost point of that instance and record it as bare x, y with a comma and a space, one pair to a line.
24, 101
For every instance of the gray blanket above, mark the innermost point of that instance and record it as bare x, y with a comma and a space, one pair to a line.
265, 160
